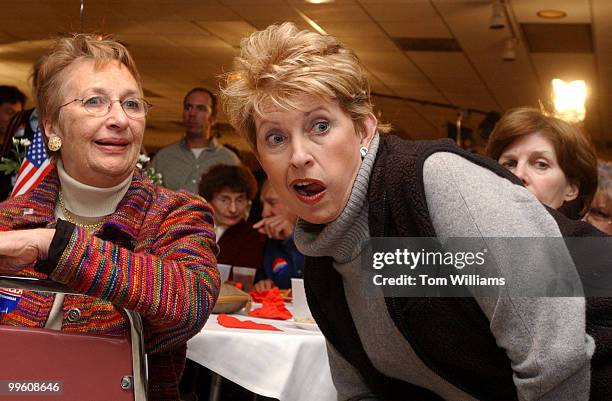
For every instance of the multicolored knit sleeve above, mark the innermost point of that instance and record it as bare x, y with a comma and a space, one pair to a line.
170, 277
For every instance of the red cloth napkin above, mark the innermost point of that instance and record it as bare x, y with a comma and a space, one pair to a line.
266, 295
273, 305
232, 322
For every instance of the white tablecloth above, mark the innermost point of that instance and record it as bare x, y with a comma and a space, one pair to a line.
290, 365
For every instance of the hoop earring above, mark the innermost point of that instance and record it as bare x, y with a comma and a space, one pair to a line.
55, 143
363, 151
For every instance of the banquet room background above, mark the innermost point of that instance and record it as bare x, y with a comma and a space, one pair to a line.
428, 61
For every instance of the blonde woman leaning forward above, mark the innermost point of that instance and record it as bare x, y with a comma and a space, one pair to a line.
97, 225
303, 103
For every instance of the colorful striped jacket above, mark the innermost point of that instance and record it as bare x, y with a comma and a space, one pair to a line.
154, 255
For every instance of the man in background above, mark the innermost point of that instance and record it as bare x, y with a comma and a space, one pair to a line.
281, 260
183, 163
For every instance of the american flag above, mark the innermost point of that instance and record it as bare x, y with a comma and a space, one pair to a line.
34, 168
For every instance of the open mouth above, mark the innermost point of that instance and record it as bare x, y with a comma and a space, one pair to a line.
309, 191
112, 144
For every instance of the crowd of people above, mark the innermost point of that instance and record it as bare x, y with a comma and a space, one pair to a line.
334, 180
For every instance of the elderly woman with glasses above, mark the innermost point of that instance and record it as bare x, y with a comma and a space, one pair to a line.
302, 101
230, 190
97, 225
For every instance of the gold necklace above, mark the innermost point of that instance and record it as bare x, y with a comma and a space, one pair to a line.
70, 217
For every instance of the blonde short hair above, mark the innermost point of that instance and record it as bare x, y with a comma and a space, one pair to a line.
575, 152
280, 63
50, 79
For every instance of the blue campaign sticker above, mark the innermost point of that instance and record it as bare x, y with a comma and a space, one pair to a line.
9, 298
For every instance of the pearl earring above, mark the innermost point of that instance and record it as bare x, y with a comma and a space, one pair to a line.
364, 151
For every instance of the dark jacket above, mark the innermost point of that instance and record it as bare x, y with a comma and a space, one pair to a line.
469, 357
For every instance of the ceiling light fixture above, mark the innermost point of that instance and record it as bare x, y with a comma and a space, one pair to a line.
498, 15
551, 14
319, 1
310, 22
569, 99
509, 53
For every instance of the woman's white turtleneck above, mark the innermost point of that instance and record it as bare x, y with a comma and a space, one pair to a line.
88, 205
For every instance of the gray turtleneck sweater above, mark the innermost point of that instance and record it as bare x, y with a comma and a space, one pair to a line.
544, 338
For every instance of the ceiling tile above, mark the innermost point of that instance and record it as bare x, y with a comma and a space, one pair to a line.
333, 12
578, 11
363, 29
231, 32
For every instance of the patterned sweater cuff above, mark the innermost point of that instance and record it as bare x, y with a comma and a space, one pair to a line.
63, 233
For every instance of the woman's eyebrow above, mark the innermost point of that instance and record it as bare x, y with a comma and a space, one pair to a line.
320, 108
541, 153
98, 90
262, 122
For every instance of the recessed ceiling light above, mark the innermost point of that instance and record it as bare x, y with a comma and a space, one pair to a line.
319, 1
552, 14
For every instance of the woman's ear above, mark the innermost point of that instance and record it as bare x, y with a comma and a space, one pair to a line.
48, 128
572, 190
369, 129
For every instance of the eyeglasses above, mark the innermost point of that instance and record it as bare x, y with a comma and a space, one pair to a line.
99, 106
239, 202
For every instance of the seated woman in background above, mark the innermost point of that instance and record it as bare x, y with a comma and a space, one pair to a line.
230, 190
302, 101
600, 212
97, 225
553, 158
